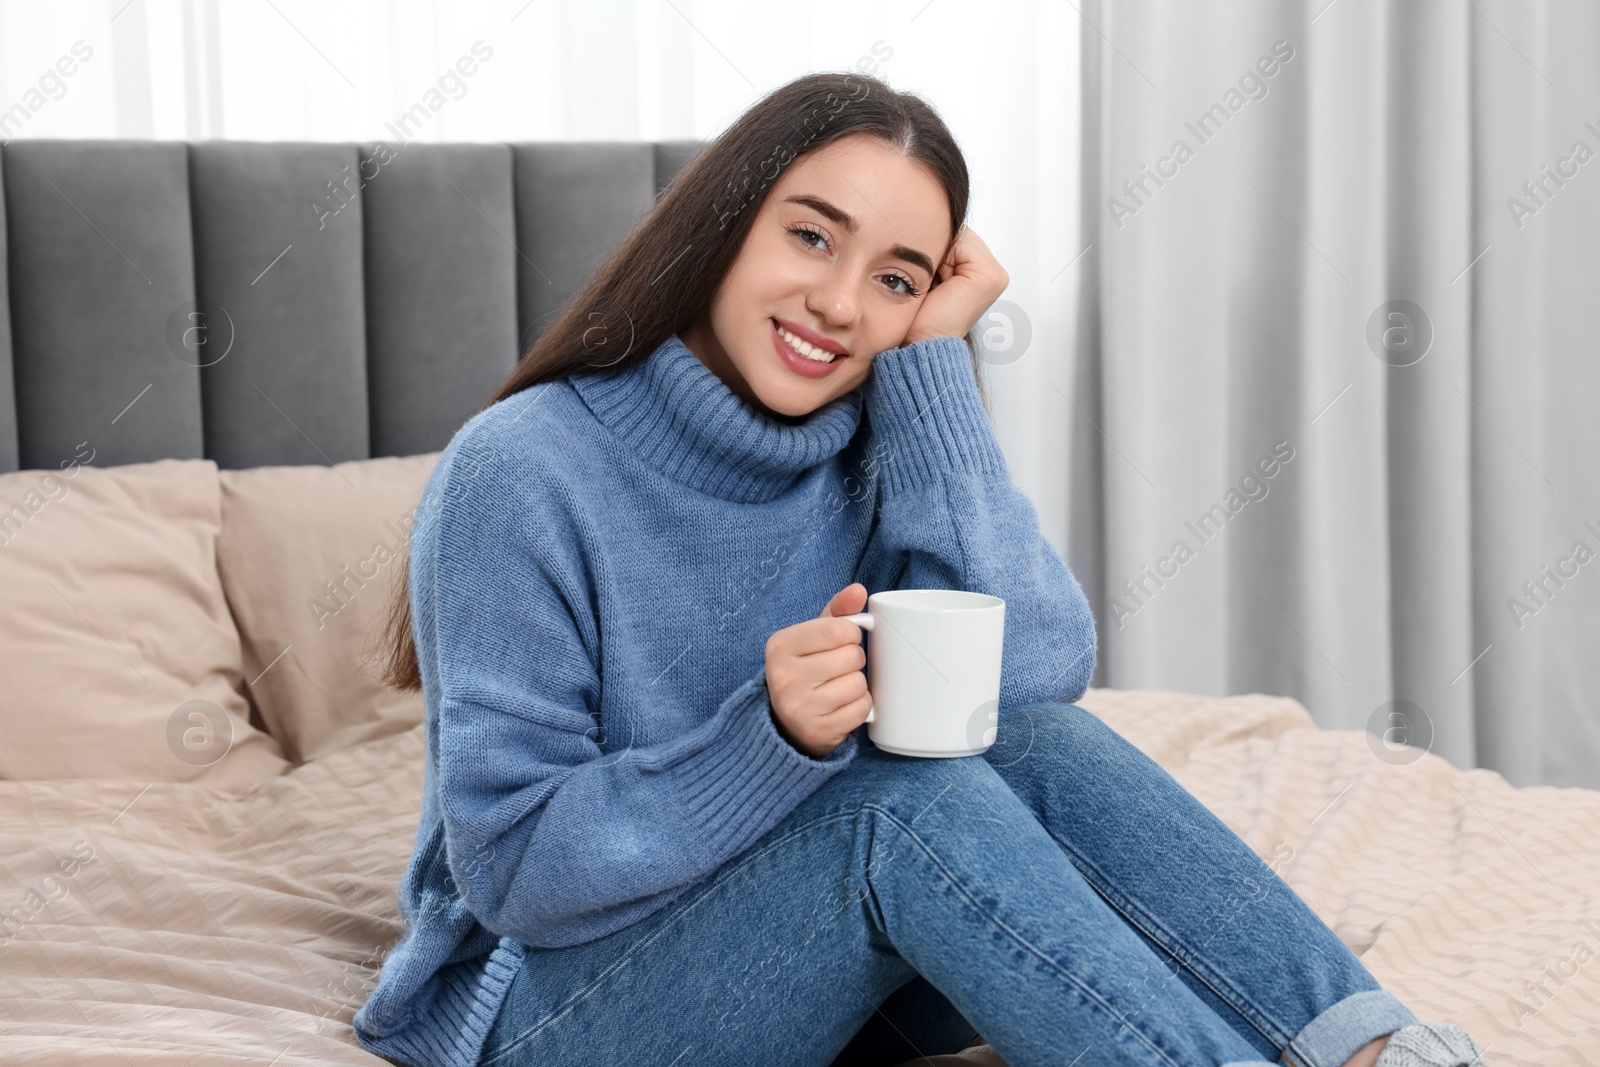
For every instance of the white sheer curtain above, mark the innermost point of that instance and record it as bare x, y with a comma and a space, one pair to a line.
1380, 249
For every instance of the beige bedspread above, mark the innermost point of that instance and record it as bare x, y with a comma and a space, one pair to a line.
1455, 889
169, 923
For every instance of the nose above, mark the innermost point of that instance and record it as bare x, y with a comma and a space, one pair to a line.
834, 298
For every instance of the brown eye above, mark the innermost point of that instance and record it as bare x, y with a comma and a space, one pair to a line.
909, 290
803, 231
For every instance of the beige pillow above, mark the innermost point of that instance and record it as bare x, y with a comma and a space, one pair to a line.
118, 656
310, 558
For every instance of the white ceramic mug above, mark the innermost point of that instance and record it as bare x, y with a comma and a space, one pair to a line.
933, 667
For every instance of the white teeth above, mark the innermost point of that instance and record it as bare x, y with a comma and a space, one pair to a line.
805, 348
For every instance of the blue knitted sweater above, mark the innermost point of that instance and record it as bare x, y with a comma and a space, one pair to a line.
596, 565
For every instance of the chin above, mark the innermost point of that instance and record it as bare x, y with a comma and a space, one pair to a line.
792, 404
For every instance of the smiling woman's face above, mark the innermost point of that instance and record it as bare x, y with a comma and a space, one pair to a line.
842, 254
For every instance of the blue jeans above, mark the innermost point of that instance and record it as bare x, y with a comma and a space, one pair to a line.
1061, 894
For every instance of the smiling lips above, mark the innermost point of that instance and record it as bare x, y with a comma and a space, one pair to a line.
811, 345
800, 355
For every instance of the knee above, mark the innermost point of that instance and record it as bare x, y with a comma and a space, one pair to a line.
1065, 733
905, 785
1055, 719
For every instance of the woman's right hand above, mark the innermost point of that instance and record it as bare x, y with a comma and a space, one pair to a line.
818, 692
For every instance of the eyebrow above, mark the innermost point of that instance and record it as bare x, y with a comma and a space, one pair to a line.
848, 221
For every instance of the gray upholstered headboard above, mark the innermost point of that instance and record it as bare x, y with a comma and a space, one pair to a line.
266, 303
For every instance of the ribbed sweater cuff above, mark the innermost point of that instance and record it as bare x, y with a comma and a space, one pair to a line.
749, 777
927, 414
451, 1029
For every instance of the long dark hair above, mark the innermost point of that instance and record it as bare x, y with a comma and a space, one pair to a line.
662, 276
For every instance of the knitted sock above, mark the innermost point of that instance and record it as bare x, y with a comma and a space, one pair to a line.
1431, 1045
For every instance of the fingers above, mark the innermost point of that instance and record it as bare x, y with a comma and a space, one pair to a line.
804, 674
815, 635
960, 249
971, 258
972, 246
847, 693
801, 678
846, 601
820, 667
819, 636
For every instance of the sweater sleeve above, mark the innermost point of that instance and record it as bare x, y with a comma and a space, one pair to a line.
550, 837
949, 517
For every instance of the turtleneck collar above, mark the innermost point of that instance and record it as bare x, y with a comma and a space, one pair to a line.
677, 416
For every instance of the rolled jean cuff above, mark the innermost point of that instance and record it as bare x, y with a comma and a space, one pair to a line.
1333, 1037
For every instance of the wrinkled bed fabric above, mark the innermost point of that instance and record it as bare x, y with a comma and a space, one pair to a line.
152, 923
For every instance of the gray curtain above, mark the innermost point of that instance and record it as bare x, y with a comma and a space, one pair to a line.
1341, 345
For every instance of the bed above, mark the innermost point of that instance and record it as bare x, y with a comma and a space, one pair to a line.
230, 928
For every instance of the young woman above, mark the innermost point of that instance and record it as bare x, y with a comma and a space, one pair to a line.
653, 828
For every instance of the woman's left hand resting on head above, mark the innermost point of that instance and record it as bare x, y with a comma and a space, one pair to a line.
971, 280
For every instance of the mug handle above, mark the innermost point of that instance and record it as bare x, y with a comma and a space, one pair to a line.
864, 620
